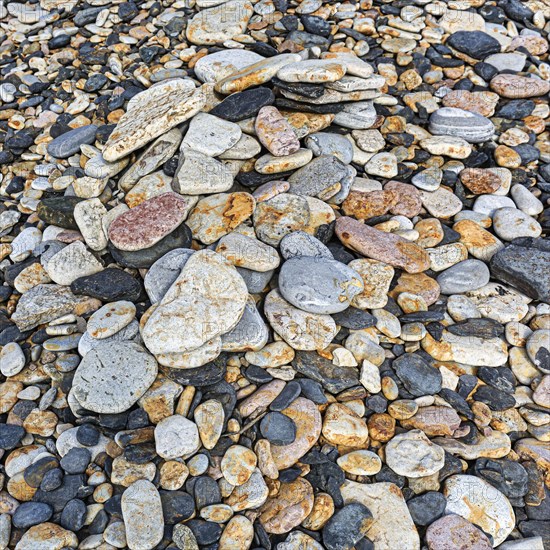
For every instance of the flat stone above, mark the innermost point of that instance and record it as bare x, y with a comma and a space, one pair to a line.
176, 436
162, 274
320, 175
362, 463
220, 23
299, 243
441, 203
145, 225
511, 223
354, 65
357, 116
476, 500
110, 319
271, 164
251, 333
25, 242
217, 215
278, 428
519, 87
331, 290
243, 251
149, 186
347, 527
293, 324
364, 206
255, 74
479, 180
480, 243
108, 285
219, 65
412, 454
450, 146
45, 303
238, 464
151, 113
47, 534
342, 426
381, 246
113, 376
211, 135
392, 526
142, 515
450, 531
69, 143
199, 174
538, 350
275, 133
482, 103
243, 105
476, 44
324, 143
472, 127
12, 359
463, 277
208, 288
417, 376
433, 421
312, 70
72, 262
88, 216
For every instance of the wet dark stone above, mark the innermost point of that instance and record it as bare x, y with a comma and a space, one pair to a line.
509, 477
316, 25
347, 526
109, 285
334, 379
59, 41
377, 403
6, 157
302, 88
354, 318
58, 211
312, 390
290, 392
417, 376
528, 153
485, 70
10, 436
426, 508
86, 16
289, 474
19, 141
208, 374
52, 480
76, 460
291, 105
141, 453
387, 474
35, 473
325, 475
243, 105
176, 506
206, 532
206, 492
501, 378
69, 143
516, 10
73, 515
516, 109
127, 11
68, 490
179, 238
476, 44
479, 328
536, 528
87, 435
526, 268
254, 179
495, 399
422, 317
31, 513
258, 375
457, 402
278, 428
95, 83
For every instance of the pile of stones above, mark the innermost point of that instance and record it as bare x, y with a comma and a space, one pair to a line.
274, 275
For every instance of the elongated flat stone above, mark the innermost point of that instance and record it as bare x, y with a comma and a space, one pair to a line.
211, 135
148, 223
275, 133
219, 65
151, 113
243, 251
312, 70
472, 127
381, 246
69, 143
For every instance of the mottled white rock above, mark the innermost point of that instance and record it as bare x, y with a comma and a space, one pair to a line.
211, 135
243, 251
89, 215
110, 319
142, 515
218, 65
72, 262
512, 223
25, 243
176, 436
12, 359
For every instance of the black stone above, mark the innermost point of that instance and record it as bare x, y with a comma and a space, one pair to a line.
109, 285
35, 472
291, 105
73, 515
278, 428
52, 480
417, 376
316, 25
258, 375
290, 392
346, 527
76, 460
334, 379
525, 268
516, 109
422, 317
58, 211
206, 532
127, 11
69, 489
426, 508
457, 402
208, 374
478, 328
312, 390
501, 378
206, 492
495, 399
485, 70
95, 82
10, 436
179, 238
19, 141
68, 143
536, 528
87, 435
354, 318
307, 90
254, 179
243, 105
509, 477
176, 506
31, 513
476, 44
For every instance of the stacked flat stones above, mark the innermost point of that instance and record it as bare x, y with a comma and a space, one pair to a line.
274, 275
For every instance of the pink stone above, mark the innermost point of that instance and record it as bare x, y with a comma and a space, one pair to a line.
452, 532
149, 222
409, 201
275, 133
379, 245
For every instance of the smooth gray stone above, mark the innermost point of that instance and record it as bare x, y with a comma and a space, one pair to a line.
300, 243
130, 333
463, 277
324, 143
255, 281
250, 334
69, 143
164, 272
359, 115
319, 285
472, 127
346, 184
321, 173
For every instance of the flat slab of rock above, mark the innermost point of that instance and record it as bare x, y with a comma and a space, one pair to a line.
149, 222
206, 300
142, 515
472, 127
312, 70
113, 376
72, 262
393, 526
514, 86
381, 246
275, 133
243, 251
47, 535
219, 65
69, 143
151, 113
450, 532
211, 135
